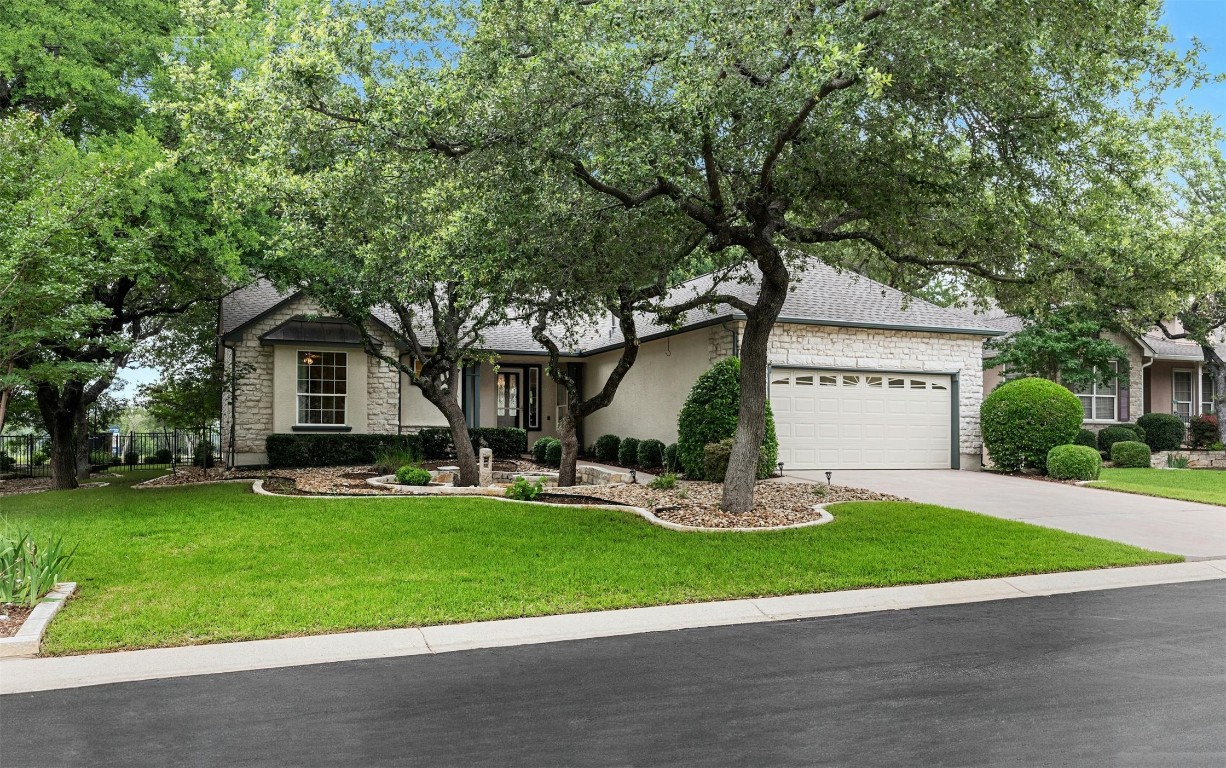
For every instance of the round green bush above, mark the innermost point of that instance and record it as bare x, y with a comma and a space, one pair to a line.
605, 447
670, 458
628, 452
1130, 454
1074, 462
553, 453
715, 460
1023, 419
411, 475
539, 447
1109, 436
1140, 432
651, 454
710, 415
1163, 431
1087, 438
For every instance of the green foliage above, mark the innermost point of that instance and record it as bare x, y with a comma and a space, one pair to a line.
1087, 438
387, 459
1203, 431
553, 453
335, 450
715, 460
710, 415
650, 454
1022, 420
628, 452
1130, 454
1177, 461
664, 482
1074, 462
1063, 345
411, 475
505, 442
606, 447
28, 569
1113, 434
539, 448
1163, 431
203, 455
523, 490
671, 463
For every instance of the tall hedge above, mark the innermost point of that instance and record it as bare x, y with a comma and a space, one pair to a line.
710, 414
334, 450
1022, 420
1163, 431
505, 442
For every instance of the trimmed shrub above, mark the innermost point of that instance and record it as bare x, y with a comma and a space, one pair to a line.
651, 454
710, 415
1074, 462
203, 455
411, 475
1202, 431
715, 460
6, 462
1087, 438
553, 452
670, 458
505, 442
1140, 432
1109, 436
130, 458
605, 448
149, 459
1023, 419
335, 450
1130, 454
1163, 431
538, 449
163, 455
628, 452
522, 490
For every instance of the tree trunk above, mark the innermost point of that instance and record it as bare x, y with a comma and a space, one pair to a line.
81, 430
751, 418
58, 407
1217, 372
568, 433
4, 406
444, 399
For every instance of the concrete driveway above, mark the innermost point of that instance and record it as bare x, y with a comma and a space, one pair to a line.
1197, 531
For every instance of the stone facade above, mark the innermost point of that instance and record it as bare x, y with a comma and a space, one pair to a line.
890, 350
256, 409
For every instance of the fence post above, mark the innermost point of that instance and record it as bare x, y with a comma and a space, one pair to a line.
30, 454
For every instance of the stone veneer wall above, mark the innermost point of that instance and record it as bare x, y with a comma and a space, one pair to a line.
827, 346
254, 390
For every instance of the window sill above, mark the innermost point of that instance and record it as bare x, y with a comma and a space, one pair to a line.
321, 428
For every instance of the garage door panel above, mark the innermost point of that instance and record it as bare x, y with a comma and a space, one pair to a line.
834, 420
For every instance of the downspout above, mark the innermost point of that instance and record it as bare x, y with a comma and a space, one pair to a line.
736, 340
1144, 365
233, 397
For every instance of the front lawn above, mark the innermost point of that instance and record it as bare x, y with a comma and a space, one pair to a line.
1205, 485
203, 564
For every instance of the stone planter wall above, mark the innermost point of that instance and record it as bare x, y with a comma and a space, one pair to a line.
1196, 459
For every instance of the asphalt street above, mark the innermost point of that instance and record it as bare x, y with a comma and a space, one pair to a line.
1112, 678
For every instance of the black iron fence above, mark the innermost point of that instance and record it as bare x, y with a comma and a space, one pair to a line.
30, 455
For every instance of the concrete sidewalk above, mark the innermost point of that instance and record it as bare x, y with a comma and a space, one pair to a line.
40, 674
1196, 531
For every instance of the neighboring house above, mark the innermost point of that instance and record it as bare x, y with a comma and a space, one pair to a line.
861, 376
1164, 376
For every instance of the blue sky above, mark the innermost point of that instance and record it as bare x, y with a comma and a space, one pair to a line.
1203, 19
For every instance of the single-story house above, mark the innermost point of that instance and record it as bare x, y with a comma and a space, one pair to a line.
861, 376
1164, 376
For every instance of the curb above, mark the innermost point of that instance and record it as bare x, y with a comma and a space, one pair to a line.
41, 674
29, 638
257, 487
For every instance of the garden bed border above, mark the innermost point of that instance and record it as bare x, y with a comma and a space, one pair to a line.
824, 516
29, 638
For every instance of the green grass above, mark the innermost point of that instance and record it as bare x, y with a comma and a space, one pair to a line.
1206, 485
215, 563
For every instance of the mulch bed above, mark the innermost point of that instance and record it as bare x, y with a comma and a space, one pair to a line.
11, 618
19, 485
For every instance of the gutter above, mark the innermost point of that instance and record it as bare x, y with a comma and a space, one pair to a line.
736, 340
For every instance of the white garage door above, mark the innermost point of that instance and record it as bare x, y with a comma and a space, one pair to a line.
843, 420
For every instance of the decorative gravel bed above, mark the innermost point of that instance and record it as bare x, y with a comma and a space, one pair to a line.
697, 503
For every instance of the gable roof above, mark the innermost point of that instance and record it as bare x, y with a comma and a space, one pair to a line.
1153, 343
820, 295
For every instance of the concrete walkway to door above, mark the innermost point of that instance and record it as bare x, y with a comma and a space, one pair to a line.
1197, 531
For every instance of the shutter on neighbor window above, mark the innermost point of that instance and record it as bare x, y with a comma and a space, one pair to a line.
1121, 403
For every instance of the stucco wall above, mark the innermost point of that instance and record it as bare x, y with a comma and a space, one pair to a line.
888, 350
266, 390
488, 387
653, 391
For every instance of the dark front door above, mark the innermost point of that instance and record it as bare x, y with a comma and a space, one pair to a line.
507, 398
